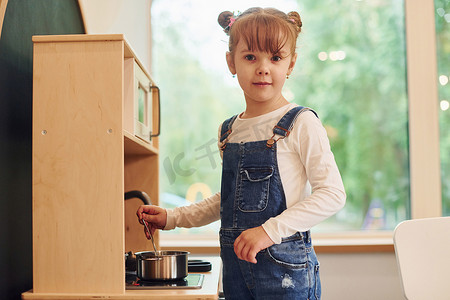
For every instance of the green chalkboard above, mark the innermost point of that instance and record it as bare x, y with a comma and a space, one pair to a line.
23, 19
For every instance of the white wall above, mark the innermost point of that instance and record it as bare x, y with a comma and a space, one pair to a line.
132, 18
360, 276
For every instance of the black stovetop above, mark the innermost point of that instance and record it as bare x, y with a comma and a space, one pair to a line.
192, 281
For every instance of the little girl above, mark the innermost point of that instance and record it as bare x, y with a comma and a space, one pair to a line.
279, 176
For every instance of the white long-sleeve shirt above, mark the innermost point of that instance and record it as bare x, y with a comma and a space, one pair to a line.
311, 181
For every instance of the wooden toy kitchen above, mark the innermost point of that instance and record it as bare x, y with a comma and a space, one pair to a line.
96, 116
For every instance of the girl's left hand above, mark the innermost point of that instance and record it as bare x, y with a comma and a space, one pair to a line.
250, 242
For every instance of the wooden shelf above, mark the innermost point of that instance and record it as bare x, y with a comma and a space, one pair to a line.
135, 146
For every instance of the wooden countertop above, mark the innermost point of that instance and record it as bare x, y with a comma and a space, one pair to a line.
209, 289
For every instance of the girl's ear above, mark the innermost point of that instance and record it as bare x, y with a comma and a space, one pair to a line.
292, 64
230, 62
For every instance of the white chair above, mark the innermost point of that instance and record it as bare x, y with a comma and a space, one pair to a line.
422, 248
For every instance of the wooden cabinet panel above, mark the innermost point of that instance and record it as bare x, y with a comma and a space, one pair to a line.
78, 166
81, 164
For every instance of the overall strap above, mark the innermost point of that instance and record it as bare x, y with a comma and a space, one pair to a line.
284, 126
226, 128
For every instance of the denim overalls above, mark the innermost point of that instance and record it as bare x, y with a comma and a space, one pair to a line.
251, 193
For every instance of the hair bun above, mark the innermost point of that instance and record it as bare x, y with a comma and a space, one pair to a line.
224, 18
295, 17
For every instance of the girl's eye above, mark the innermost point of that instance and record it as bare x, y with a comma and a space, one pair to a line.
276, 58
250, 57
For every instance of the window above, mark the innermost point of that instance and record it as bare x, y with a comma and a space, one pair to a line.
351, 69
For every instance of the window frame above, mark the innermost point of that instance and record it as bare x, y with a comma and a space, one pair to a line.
423, 102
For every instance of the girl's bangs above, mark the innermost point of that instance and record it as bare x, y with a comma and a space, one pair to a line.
263, 34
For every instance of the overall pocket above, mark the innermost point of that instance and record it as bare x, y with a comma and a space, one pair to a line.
254, 188
291, 254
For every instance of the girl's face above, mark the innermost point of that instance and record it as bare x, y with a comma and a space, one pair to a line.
261, 75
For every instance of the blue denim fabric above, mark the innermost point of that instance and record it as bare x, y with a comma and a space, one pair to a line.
289, 270
251, 193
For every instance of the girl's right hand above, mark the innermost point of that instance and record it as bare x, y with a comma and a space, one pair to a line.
155, 216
